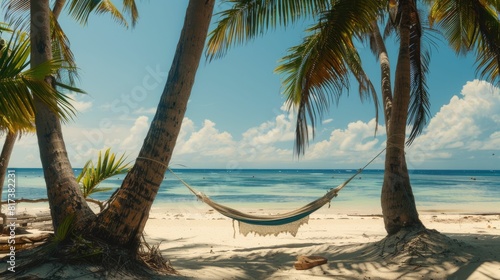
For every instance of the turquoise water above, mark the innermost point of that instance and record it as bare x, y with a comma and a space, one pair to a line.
432, 188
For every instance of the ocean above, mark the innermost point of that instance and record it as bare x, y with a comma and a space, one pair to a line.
434, 190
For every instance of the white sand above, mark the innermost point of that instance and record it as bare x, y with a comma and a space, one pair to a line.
201, 244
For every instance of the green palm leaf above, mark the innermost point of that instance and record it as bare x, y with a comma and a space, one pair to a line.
129, 7
419, 108
471, 25
17, 11
108, 165
317, 71
246, 19
81, 10
61, 50
4, 27
18, 86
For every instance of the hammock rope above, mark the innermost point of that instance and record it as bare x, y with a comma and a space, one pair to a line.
276, 219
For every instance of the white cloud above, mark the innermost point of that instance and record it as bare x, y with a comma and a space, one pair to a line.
279, 130
137, 133
467, 124
356, 143
207, 141
473, 119
458, 136
145, 111
77, 100
327, 121
260, 146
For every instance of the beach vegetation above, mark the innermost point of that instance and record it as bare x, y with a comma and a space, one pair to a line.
319, 70
107, 166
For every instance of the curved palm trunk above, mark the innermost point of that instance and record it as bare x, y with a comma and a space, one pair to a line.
385, 70
398, 203
65, 197
8, 146
123, 221
58, 6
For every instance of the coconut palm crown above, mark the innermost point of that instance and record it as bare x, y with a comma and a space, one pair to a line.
318, 70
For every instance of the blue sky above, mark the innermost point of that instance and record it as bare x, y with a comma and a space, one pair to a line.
236, 118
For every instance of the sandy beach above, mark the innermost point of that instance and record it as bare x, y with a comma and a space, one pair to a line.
202, 244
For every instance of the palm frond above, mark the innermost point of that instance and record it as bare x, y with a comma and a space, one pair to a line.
24, 127
16, 105
18, 86
61, 50
63, 231
419, 109
129, 7
471, 25
81, 10
317, 71
246, 19
17, 14
5, 27
108, 165
17, 11
57, 101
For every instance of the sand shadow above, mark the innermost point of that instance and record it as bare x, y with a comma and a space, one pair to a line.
350, 261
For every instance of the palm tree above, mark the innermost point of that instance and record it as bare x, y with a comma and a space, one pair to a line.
317, 71
17, 85
64, 194
122, 223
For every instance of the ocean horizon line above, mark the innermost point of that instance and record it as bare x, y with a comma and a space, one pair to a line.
292, 169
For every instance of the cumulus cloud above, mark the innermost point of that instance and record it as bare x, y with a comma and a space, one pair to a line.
464, 131
470, 121
143, 111
136, 134
272, 143
281, 129
77, 100
354, 144
468, 124
207, 141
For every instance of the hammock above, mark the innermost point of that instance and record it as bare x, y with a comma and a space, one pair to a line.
272, 224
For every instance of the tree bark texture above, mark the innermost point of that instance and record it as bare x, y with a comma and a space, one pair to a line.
398, 202
385, 70
65, 197
8, 146
123, 221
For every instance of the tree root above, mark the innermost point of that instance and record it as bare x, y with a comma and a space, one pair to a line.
420, 246
93, 257
152, 257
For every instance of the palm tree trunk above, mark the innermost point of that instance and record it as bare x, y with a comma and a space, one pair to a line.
65, 197
58, 6
8, 146
385, 70
123, 221
398, 204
